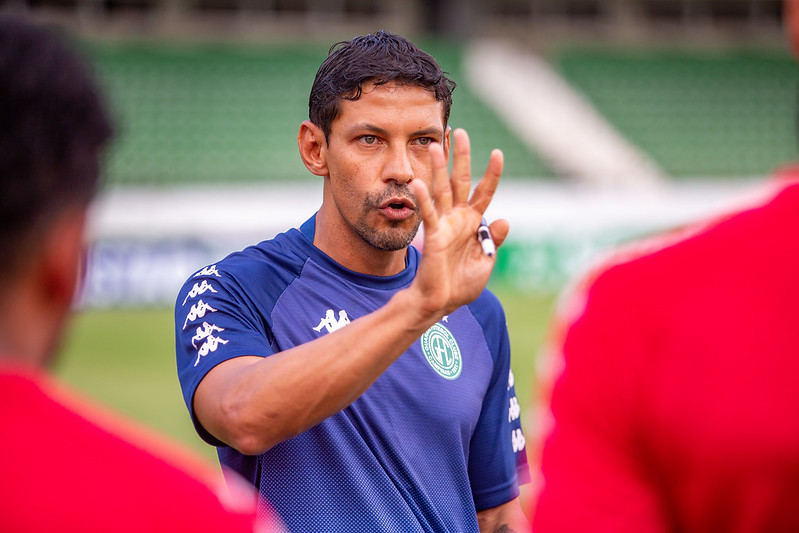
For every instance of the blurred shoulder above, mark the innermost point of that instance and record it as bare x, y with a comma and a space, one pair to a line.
662, 264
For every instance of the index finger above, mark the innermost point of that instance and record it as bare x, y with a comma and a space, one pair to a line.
461, 167
427, 210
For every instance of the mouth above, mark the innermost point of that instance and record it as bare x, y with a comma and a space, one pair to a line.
398, 208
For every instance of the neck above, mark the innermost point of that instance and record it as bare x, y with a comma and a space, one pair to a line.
36, 302
29, 330
352, 252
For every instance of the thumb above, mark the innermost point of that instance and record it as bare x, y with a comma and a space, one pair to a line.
499, 231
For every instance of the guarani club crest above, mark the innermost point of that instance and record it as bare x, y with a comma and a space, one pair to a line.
442, 352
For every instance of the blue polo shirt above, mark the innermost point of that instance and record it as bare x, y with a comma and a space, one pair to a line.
434, 439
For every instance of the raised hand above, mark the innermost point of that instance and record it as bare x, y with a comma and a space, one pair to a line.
454, 270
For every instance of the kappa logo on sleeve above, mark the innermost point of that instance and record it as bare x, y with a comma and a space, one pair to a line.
204, 332
330, 323
208, 271
197, 310
517, 440
211, 342
442, 351
514, 410
198, 289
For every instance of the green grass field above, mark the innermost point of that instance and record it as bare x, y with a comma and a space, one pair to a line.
125, 359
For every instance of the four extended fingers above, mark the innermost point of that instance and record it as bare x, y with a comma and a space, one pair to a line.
451, 190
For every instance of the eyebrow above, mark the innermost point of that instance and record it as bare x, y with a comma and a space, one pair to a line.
432, 131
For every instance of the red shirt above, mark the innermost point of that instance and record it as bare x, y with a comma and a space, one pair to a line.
67, 466
676, 403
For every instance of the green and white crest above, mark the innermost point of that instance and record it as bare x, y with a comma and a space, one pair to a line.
442, 352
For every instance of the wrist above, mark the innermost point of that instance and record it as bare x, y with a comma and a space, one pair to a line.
415, 316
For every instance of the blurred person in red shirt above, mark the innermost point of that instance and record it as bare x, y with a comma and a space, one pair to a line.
675, 380
67, 465
676, 401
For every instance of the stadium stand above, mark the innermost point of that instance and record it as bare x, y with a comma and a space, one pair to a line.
697, 113
204, 114
210, 113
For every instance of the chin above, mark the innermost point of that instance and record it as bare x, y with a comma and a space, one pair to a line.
391, 239
391, 244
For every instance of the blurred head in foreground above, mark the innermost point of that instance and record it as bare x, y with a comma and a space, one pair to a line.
112, 475
53, 127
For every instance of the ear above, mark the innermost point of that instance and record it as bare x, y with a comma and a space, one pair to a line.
446, 142
313, 145
62, 258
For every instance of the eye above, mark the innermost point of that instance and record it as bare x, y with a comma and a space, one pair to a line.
368, 139
425, 141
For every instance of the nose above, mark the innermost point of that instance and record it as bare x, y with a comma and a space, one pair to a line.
398, 167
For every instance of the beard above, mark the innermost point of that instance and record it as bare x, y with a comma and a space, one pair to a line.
398, 235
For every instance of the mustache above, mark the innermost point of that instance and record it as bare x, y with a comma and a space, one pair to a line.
394, 190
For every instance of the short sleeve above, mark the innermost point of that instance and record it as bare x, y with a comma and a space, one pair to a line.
215, 320
497, 455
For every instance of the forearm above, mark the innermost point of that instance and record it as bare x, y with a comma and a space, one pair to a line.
254, 403
505, 518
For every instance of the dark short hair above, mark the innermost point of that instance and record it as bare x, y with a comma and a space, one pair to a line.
53, 126
380, 58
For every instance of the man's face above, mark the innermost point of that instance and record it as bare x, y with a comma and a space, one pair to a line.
377, 145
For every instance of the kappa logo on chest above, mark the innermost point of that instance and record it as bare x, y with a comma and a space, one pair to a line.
331, 323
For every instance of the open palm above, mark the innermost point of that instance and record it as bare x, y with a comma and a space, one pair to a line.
454, 270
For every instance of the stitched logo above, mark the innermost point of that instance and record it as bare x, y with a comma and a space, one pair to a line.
330, 323
442, 352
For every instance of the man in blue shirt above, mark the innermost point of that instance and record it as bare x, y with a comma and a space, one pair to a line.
359, 384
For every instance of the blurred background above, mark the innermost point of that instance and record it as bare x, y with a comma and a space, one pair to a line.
618, 118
